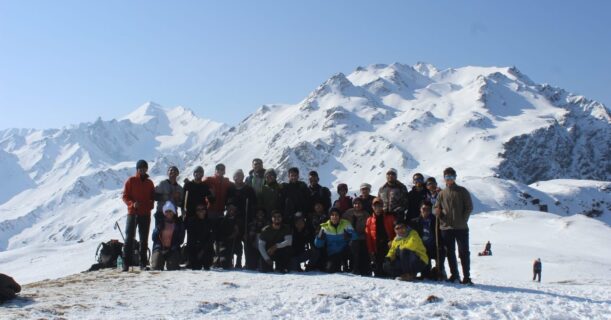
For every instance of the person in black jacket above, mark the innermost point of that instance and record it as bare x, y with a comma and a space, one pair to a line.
275, 245
228, 242
302, 236
426, 226
416, 196
318, 193
537, 267
168, 235
200, 242
243, 197
294, 196
251, 248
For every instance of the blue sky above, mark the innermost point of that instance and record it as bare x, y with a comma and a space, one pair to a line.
65, 62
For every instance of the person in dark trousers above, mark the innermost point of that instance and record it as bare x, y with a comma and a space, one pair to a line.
228, 242
315, 219
318, 193
366, 197
295, 196
487, 249
302, 236
335, 236
344, 201
394, 195
169, 190
453, 208
251, 249
426, 226
357, 216
168, 235
416, 196
537, 267
379, 231
407, 255
196, 194
244, 198
256, 177
200, 241
275, 245
138, 195
8, 288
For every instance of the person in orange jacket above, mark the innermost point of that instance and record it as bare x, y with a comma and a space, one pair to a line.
138, 195
379, 232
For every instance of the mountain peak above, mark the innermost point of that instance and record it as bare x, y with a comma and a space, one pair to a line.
145, 113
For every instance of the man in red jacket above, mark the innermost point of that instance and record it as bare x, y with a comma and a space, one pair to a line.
138, 195
379, 232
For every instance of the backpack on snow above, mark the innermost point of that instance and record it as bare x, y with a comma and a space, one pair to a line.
106, 255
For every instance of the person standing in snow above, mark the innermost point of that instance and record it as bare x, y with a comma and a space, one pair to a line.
294, 196
453, 209
138, 195
416, 196
343, 202
169, 190
219, 185
256, 177
244, 198
168, 235
318, 193
357, 216
228, 242
275, 245
537, 267
434, 190
379, 231
394, 195
407, 255
366, 197
252, 240
270, 193
195, 195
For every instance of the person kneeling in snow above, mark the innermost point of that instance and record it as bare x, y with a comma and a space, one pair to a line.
407, 254
335, 236
275, 245
168, 235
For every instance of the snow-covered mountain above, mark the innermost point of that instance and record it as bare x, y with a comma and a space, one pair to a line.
510, 140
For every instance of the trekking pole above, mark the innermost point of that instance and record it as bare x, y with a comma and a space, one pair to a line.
118, 227
439, 274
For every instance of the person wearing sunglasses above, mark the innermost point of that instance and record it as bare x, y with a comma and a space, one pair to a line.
416, 196
453, 207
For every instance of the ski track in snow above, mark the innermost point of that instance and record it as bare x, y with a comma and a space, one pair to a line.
110, 294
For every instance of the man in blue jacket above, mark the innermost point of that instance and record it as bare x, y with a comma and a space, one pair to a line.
335, 236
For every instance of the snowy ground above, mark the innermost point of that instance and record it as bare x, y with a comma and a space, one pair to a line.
576, 283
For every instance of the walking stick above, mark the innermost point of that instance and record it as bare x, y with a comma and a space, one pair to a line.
121, 232
439, 274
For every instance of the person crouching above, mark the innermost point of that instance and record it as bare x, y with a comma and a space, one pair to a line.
275, 245
168, 235
335, 236
407, 254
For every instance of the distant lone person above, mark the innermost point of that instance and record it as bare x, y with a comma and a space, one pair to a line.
8, 288
537, 270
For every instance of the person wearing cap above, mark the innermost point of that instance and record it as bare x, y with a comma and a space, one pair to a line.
300, 246
244, 198
343, 202
379, 231
169, 190
138, 195
394, 195
407, 255
335, 236
453, 208
195, 194
416, 196
366, 197
275, 245
294, 196
219, 185
168, 236
357, 216
270, 193
256, 176
318, 193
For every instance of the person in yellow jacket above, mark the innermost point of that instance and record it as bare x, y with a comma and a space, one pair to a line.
407, 254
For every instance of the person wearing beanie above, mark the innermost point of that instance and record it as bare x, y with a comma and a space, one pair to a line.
168, 236
453, 208
244, 198
343, 202
169, 190
366, 197
318, 193
334, 237
379, 231
270, 194
394, 195
138, 196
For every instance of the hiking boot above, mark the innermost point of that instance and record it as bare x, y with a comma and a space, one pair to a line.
453, 279
407, 277
467, 281
125, 268
145, 268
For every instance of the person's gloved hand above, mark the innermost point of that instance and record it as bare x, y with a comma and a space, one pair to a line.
322, 235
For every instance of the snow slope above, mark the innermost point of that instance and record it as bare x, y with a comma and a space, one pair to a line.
576, 284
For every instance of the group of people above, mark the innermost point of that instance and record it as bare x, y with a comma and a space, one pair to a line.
294, 226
